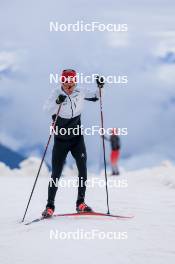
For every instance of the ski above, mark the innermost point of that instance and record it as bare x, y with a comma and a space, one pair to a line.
80, 214
92, 214
35, 220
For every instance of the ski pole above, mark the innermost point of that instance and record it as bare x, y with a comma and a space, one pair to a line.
100, 83
44, 154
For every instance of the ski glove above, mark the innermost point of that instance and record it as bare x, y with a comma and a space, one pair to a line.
100, 81
92, 99
54, 117
60, 99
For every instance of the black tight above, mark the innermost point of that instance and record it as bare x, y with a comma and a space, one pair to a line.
61, 148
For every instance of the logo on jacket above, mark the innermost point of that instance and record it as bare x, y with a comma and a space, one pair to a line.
82, 155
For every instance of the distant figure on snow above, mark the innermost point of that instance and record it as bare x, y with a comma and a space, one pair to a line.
115, 151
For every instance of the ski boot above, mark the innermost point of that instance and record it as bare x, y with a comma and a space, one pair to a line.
48, 212
83, 208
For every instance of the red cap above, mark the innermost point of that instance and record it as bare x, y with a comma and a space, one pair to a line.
68, 76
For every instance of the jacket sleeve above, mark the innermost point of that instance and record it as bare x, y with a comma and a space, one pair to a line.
119, 142
50, 105
91, 94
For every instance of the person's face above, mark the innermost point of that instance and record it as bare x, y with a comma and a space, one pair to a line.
115, 131
68, 87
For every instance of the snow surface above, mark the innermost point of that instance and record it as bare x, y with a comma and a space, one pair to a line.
149, 196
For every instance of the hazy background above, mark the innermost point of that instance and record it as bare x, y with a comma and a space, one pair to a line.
146, 53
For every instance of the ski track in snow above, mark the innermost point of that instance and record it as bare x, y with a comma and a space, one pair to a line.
150, 197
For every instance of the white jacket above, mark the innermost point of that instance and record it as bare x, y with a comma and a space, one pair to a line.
73, 104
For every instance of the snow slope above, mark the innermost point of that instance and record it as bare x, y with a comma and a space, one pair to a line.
149, 196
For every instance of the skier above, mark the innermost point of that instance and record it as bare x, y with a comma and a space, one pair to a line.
115, 150
71, 99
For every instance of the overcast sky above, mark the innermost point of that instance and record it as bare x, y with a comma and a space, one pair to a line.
146, 54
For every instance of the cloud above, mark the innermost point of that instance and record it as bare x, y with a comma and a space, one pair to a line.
8, 63
9, 141
142, 54
119, 39
166, 42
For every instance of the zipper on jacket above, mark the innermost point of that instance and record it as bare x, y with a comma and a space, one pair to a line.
71, 105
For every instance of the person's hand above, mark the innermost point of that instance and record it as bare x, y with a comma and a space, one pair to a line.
100, 81
53, 120
54, 117
60, 99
